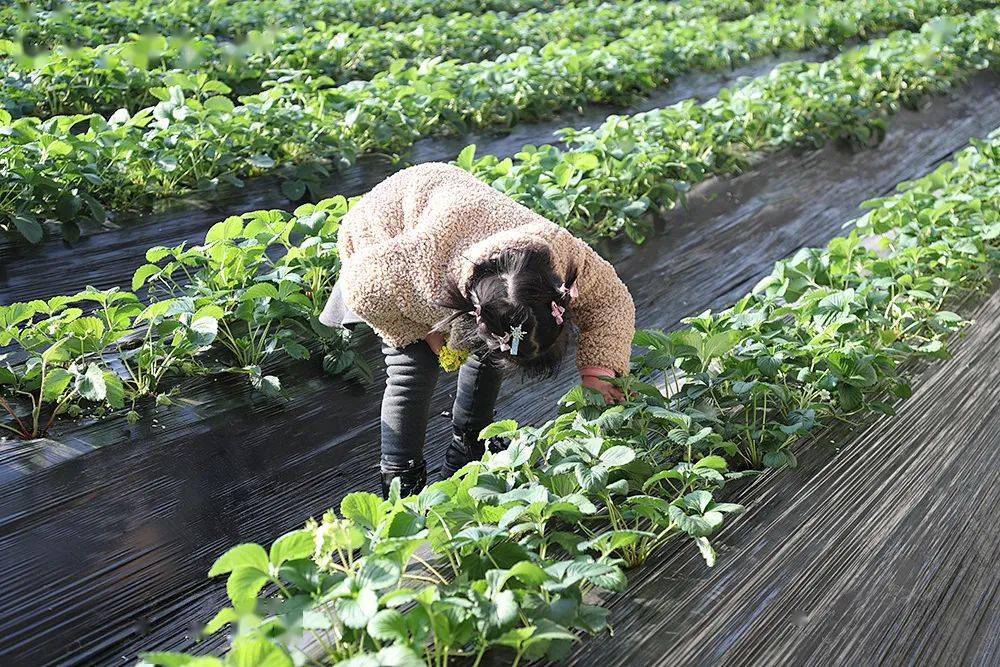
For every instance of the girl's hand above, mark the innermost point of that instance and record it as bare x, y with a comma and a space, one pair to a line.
611, 393
435, 340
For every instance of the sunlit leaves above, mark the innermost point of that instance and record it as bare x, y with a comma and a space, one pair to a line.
291, 546
241, 556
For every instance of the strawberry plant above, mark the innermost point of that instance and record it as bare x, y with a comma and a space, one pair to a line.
265, 290
62, 363
254, 289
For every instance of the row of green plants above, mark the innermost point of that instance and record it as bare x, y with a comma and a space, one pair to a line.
108, 77
251, 292
502, 557
39, 25
74, 169
606, 181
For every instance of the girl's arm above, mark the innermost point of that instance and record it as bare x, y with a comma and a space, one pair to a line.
605, 315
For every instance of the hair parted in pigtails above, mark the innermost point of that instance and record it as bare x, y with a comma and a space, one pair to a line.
517, 309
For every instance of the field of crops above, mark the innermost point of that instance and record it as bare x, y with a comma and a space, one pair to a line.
797, 317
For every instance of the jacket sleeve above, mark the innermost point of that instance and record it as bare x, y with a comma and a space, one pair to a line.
603, 311
379, 286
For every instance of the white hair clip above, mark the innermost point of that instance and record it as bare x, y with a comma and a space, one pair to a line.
516, 334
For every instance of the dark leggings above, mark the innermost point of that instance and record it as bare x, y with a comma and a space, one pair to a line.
412, 372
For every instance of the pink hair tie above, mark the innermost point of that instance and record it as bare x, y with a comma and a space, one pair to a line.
558, 312
573, 291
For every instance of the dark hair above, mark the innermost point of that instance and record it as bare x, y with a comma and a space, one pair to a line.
517, 288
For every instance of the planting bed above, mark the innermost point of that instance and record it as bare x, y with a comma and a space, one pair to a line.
879, 546
123, 536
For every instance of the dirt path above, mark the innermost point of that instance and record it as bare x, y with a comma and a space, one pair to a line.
106, 554
880, 550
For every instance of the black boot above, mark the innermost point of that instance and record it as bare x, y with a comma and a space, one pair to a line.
466, 446
412, 476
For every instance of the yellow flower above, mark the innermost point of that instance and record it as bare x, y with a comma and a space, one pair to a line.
451, 359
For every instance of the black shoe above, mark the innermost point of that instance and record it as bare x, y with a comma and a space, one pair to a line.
412, 477
466, 446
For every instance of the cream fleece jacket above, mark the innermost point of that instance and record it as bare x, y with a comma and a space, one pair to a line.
400, 242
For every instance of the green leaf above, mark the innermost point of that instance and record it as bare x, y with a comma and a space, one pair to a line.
115, 390
157, 253
388, 625
170, 659
698, 500
466, 157
241, 556
224, 616
593, 479
91, 385
254, 651
261, 161
294, 190
707, 552
504, 610
29, 228
583, 161
243, 586
142, 274
270, 385
363, 508
56, 382
851, 397
514, 638
292, 546
261, 291
635, 209
228, 229
378, 573
529, 573
154, 311
500, 428
714, 461
776, 459
617, 456
56, 353
357, 612
203, 331
219, 103
295, 350
718, 344
391, 656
